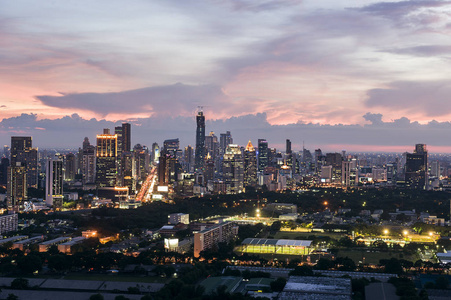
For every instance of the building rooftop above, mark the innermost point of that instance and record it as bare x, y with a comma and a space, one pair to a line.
318, 285
296, 243
13, 239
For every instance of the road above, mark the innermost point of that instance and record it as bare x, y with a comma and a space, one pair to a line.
145, 193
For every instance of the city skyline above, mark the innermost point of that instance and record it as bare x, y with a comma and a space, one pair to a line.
360, 76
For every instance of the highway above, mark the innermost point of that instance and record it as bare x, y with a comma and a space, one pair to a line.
145, 193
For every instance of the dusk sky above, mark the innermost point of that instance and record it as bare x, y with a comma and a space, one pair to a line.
337, 74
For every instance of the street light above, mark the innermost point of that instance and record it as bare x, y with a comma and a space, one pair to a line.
386, 231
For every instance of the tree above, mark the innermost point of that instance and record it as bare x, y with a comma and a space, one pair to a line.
441, 283
302, 271
30, 263
278, 284
20, 284
96, 297
12, 297
121, 297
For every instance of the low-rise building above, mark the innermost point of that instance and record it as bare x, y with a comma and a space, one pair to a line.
8, 223
211, 237
66, 247
44, 246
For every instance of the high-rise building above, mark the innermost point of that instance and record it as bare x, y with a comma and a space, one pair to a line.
416, 167
16, 188
171, 146
212, 145
189, 158
262, 154
250, 165
155, 152
54, 183
142, 161
335, 160
4, 171
70, 167
106, 154
435, 168
88, 167
233, 169
126, 137
225, 139
23, 152
199, 156
288, 147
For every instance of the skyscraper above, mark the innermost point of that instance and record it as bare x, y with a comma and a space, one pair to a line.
199, 156
225, 139
416, 167
16, 188
189, 158
126, 137
250, 165
262, 154
88, 168
70, 167
106, 170
54, 183
233, 169
22, 151
212, 145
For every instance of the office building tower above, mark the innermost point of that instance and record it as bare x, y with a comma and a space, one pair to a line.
435, 169
335, 160
54, 183
416, 167
126, 137
212, 145
142, 161
391, 173
106, 154
288, 147
225, 139
171, 146
262, 154
349, 173
155, 152
23, 152
16, 188
233, 169
209, 174
120, 140
88, 166
250, 165
6, 151
4, 171
129, 175
199, 156
70, 167
189, 158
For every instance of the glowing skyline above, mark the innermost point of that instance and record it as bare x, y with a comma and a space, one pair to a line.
283, 68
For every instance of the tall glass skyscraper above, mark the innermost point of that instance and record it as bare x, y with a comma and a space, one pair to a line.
199, 156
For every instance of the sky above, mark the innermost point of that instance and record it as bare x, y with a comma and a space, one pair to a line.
332, 74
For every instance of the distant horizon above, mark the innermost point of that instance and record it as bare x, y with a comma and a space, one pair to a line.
369, 75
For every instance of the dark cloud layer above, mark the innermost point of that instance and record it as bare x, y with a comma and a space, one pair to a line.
69, 131
433, 98
171, 100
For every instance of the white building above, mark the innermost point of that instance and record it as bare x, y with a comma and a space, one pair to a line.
54, 183
174, 219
